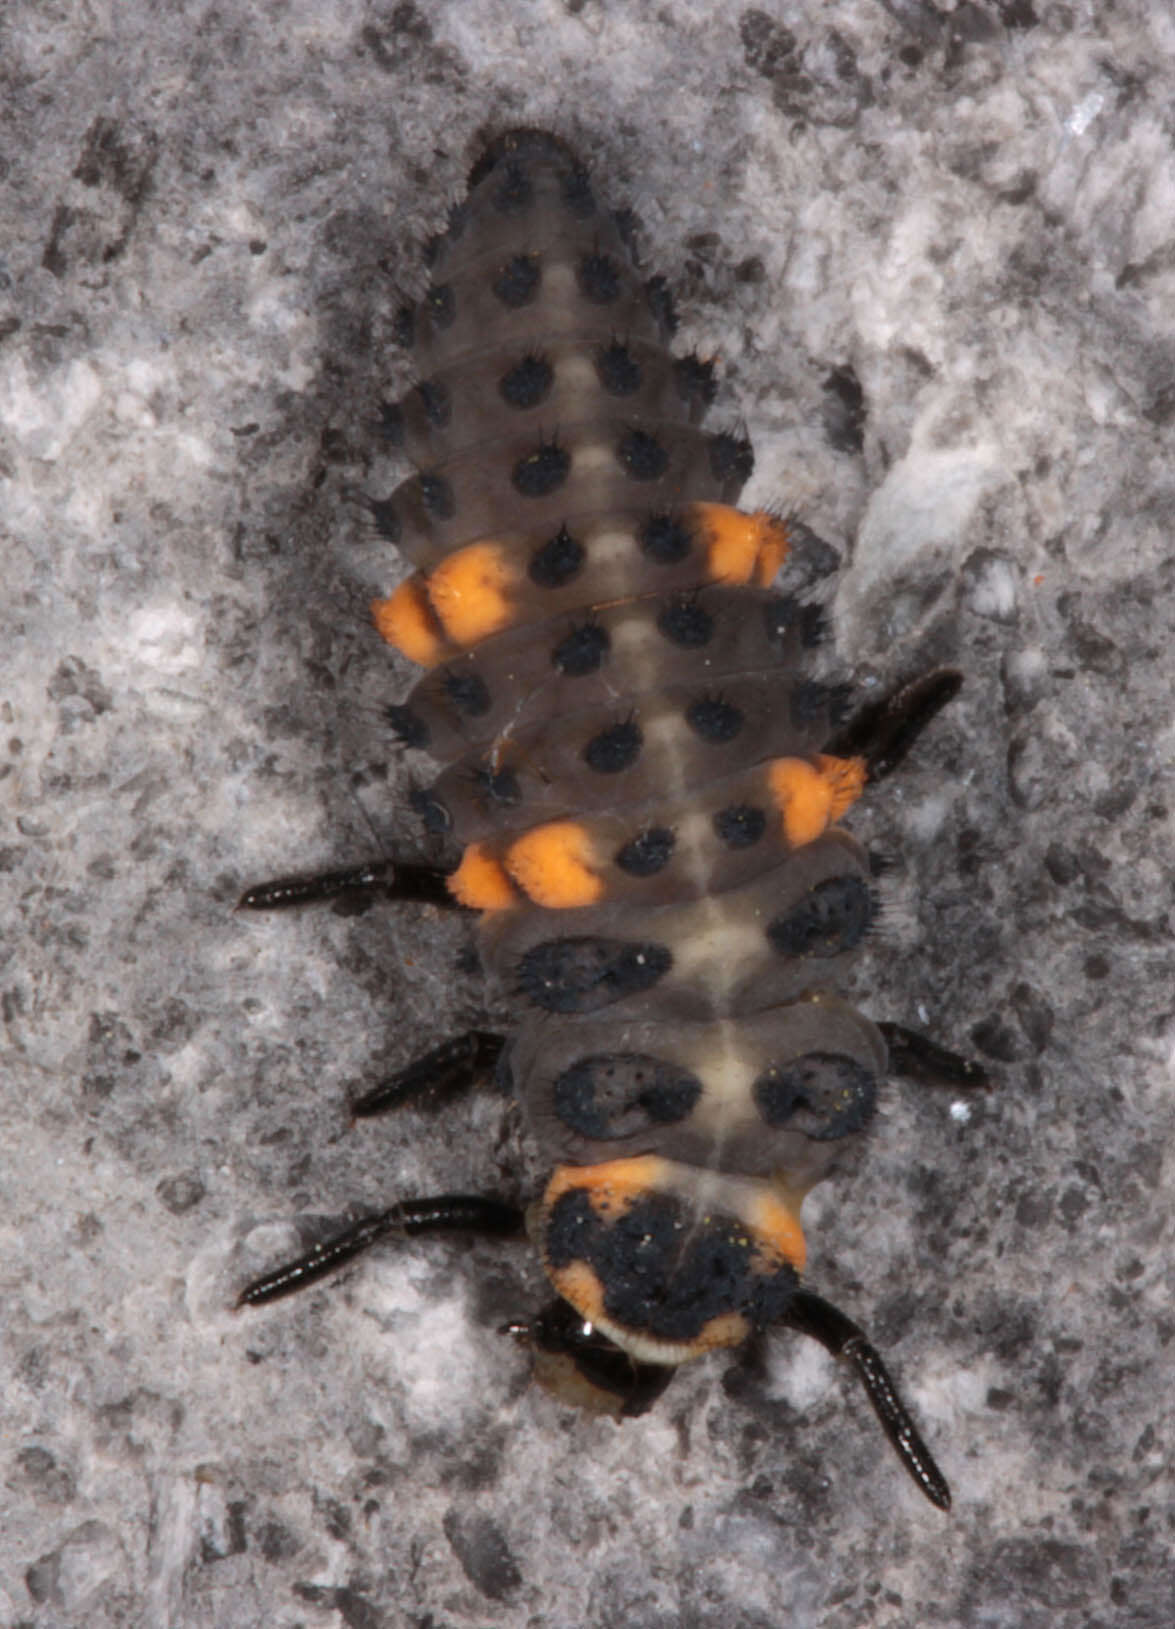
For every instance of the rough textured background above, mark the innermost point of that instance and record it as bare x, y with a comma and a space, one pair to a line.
933, 248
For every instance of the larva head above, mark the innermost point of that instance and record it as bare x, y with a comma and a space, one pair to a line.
667, 1260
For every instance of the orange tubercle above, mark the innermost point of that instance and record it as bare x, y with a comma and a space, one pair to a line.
470, 592
811, 796
407, 622
480, 882
846, 777
741, 548
553, 865
612, 1186
779, 1225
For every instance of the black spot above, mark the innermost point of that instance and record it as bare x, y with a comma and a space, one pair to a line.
832, 1095
437, 496
387, 520
647, 853
695, 380
391, 423
541, 472
431, 810
434, 399
582, 651
404, 327
585, 974
663, 1270
558, 562
599, 278
809, 702
665, 538
732, 458
740, 826
408, 727
441, 305
515, 192
618, 370
686, 623
467, 691
641, 456
614, 749
498, 786
660, 303
620, 1094
576, 192
518, 281
714, 720
527, 383
832, 917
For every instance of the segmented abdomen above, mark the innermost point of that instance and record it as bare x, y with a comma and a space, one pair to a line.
632, 745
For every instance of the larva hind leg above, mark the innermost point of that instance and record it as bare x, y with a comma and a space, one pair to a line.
884, 732
359, 885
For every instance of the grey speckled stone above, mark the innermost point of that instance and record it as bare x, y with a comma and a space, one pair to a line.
932, 248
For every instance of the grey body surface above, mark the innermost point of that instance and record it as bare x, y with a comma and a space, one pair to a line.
929, 250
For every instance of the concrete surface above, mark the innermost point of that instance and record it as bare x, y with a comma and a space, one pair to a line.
932, 246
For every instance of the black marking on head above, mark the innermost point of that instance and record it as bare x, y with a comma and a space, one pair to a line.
665, 538
617, 369
660, 302
386, 518
647, 853
714, 720
732, 458
517, 282
684, 622
599, 278
582, 651
541, 472
576, 192
527, 383
431, 810
467, 691
437, 496
641, 456
515, 193
696, 380
408, 727
558, 562
391, 423
435, 402
614, 749
833, 1096
620, 1094
404, 327
585, 974
662, 1271
740, 825
441, 305
832, 917
498, 786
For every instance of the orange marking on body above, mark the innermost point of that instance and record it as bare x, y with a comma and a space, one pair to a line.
481, 883
739, 546
847, 777
407, 621
552, 865
811, 796
804, 799
775, 1221
580, 1286
613, 1186
470, 592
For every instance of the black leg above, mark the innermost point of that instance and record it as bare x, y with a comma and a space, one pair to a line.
884, 732
414, 884
812, 1315
437, 1077
446, 1213
921, 1059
